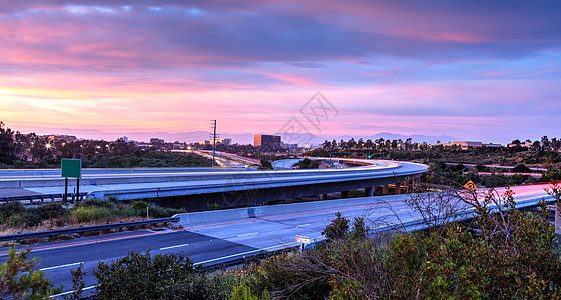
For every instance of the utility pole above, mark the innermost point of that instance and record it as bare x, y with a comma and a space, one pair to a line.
213, 141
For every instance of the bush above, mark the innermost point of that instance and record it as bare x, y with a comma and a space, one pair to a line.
142, 276
337, 229
19, 280
27, 218
139, 205
242, 292
290, 276
85, 214
522, 168
9, 209
52, 210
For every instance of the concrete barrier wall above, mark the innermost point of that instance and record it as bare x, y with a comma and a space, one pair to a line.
263, 211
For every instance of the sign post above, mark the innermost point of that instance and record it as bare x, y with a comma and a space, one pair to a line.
304, 240
71, 168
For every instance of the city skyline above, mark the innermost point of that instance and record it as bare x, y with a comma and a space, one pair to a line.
472, 70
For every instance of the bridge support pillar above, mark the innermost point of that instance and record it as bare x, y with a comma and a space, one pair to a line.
398, 188
369, 191
413, 185
385, 189
345, 194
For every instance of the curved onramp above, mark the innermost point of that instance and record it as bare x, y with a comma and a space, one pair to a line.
198, 188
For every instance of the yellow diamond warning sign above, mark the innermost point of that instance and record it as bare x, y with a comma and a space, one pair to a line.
470, 186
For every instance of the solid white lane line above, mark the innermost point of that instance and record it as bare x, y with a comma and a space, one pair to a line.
70, 292
61, 266
176, 246
253, 233
243, 253
303, 225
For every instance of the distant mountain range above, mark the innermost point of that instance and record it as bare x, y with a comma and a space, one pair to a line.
245, 138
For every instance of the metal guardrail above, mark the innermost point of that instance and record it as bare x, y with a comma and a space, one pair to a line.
22, 236
42, 197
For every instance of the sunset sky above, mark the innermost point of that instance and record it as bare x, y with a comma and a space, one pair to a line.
478, 70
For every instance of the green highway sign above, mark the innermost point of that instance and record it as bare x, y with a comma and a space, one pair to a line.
71, 168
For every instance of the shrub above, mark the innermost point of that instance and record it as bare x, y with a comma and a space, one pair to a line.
85, 214
29, 218
338, 227
201, 286
52, 210
522, 168
96, 202
290, 276
10, 209
163, 212
242, 292
142, 276
139, 205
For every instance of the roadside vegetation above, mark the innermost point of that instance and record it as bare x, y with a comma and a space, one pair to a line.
28, 151
15, 217
503, 253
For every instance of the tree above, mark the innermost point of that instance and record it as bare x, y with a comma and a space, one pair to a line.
307, 163
19, 280
545, 142
7, 145
265, 164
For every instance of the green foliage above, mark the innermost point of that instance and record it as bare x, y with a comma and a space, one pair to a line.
338, 227
242, 292
147, 159
213, 206
522, 168
265, 164
359, 228
307, 163
143, 276
139, 205
86, 214
52, 210
96, 209
14, 214
19, 280
289, 276
78, 283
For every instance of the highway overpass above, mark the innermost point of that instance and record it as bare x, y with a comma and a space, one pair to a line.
214, 237
196, 189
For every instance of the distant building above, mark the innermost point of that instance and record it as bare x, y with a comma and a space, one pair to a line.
223, 141
58, 137
267, 143
289, 146
526, 144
